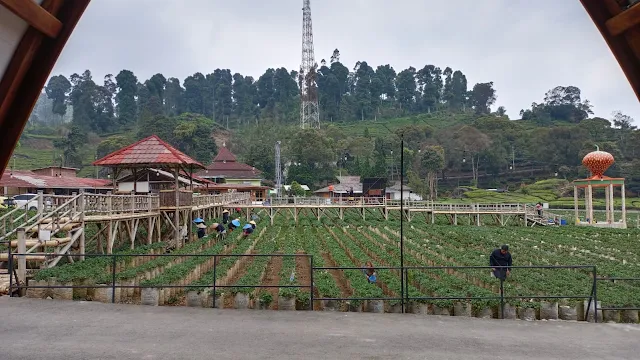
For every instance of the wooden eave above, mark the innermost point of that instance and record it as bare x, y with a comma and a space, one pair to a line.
50, 26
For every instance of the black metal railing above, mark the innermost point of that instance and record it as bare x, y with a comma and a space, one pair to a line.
15, 286
501, 296
404, 283
614, 279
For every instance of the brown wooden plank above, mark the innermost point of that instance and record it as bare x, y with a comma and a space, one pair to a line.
35, 15
600, 11
27, 88
624, 21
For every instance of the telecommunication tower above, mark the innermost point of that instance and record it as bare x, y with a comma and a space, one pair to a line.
309, 110
278, 170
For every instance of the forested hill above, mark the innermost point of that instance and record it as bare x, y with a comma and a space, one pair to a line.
449, 129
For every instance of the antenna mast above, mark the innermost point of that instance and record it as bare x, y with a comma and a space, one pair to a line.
278, 170
309, 110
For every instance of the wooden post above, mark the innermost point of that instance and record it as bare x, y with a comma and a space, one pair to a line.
176, 213
590, 210
607, 203
575, 204
612, 217
74, 206
22, 260
40, 204
82, 226
133, 201
624, 206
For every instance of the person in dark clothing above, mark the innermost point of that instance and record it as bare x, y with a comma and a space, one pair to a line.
225, 216
501, 257
248, 231
202, 230
220, 230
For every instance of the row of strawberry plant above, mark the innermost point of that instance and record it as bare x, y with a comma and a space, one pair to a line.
361, 287
98, 267
225, 263
437, 282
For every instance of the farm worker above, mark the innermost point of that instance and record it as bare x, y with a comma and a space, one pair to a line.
225, 216
234, 224
255, 217
501, 257
253, 224
202, 228
247, 230
369, 272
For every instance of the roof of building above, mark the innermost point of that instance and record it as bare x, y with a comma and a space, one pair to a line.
150, 151
225, 165
396, 187
224, 155
29, 179
348, 179
56, 167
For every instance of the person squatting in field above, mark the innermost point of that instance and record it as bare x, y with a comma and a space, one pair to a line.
501, 257
369, 272
219, 229
247, 229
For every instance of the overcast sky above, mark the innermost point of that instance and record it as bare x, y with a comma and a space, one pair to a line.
524, 46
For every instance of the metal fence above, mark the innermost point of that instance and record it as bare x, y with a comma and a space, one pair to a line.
501, 296
404, 298
16, 286
614, 279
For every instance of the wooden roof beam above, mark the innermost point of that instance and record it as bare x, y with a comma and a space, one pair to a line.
36, 16
624, 21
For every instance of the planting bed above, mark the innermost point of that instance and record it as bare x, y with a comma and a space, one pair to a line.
351, 243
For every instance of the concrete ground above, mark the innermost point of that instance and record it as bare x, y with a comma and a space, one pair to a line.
56, 330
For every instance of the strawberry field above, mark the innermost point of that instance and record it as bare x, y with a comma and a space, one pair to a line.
352, 242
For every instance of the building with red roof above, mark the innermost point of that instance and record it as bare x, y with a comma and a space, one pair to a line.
25, 181
225, 169
229, 175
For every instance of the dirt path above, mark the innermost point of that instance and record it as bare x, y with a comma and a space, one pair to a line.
303, 268
246, 261
273, 278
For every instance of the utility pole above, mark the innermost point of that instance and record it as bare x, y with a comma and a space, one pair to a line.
309, 109
278, 170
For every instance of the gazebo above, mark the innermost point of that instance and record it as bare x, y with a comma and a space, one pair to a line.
598, 162
153, 153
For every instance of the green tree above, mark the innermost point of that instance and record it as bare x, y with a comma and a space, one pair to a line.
58, 89
482, 97
126, 107
297, 189
432, 162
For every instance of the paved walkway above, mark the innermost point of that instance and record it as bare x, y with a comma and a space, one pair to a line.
56, 330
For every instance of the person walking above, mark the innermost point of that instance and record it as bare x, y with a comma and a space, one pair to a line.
501, 257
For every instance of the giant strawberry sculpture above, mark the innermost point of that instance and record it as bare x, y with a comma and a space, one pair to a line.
598, 162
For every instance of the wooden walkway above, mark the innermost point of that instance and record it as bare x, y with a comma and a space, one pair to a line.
502, 214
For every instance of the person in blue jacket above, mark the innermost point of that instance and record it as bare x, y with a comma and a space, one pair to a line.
501, 257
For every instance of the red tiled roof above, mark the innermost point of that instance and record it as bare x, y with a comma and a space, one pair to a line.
224, 155
225, 165
149, 151
28, 179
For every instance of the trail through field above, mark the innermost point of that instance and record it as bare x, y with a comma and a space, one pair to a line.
303, 268
245, 262
273, 278
379, 283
